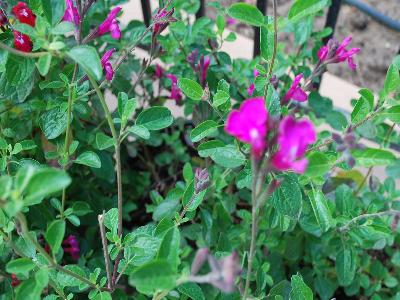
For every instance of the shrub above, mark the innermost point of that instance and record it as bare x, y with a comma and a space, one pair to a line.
212, 178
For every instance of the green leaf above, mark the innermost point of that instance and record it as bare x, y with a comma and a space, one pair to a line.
16, 94
321, 210
55, 235
318, 164
140, 131
267, 42
19, 69
208, 148
220, 97
228, 157
392, 81
373, 157
287, 199
43, 64
155, 275
155, 118
53, 122
88, 58
43, 183
111, 220
246, 13
304, 8
103, 296
191, 88
192, 290
300, 291
126, 108
20, 265
393, 114
360, 110
63, 28
103, 141
346, 266
53, 10
90, 159
169, 248
207, 128
65, 280
191, 200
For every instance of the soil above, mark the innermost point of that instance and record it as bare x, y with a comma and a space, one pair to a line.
378, 43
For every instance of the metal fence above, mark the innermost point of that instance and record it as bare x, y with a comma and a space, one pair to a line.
331, 18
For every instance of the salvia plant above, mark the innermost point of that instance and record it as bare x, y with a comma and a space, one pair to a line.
212, 178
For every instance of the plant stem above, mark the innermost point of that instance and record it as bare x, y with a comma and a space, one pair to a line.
275, 9
254, 226
67, 134
22, 53
364, 181
105, 249
347, 226
22, 220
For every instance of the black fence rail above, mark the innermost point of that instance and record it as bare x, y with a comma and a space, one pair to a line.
331, 19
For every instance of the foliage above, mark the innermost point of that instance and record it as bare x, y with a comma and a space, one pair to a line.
145, 202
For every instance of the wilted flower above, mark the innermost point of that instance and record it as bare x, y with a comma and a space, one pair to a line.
71, 13
3, 18
22, 42
231, 21
201, 180
347, 143
295, 92
203, 68
176, 93
107, 66
293, 139
110, 24
335, 53
70, 245
24, 14
249, 124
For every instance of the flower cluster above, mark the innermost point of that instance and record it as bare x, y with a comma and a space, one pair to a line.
333, 53
23, 14
249, 124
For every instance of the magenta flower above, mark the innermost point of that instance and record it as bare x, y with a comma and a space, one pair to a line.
335, 53
295, 92
249, 124
107, 67
71, 13
70, 245
231, 21
293, 140
159, 72
252, 86
176, 93
110, 24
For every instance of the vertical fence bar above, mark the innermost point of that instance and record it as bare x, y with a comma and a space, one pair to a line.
332, 17
202, 10
146, 10
262, 6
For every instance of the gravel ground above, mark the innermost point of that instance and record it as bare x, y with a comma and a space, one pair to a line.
379, 44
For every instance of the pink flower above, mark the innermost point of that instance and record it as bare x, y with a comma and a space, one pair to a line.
110, 24
335, 53
159, 72
231, 21
249, 124
176, 93
252, 86
293, 140
105, 62
203, 68
295, 92
71, 13
251, 89
70, 245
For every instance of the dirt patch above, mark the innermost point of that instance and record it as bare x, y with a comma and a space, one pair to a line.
379, 44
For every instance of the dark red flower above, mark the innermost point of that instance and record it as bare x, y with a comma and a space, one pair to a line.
71, 246
22, 42
3, 19
14, 280
24, 14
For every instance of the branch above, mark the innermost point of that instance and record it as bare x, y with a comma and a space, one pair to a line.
22, 53
347, 225
105, 249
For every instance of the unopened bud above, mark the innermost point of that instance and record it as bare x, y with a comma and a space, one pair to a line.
199, 259
201, 180
274, 81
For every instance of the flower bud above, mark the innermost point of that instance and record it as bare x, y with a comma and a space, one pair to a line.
199, 259
201, 180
